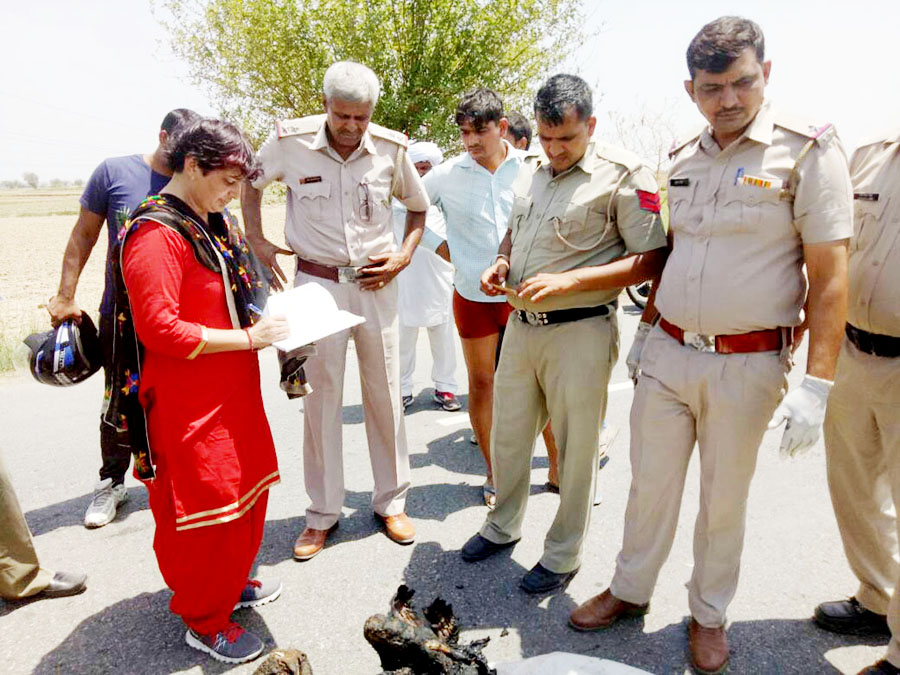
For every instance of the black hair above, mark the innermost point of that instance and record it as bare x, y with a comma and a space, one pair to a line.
175, 119
480, 107
216, 144
519, 126
721, 42
561, 93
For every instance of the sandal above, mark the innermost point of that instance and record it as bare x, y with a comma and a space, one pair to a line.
489, 494
551, 487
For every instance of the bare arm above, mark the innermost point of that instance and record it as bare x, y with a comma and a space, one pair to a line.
626, 271
495, 275
386, 266
826, 266
251, 200
84, 236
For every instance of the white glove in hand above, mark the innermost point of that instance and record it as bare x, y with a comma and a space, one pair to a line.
804, 411
633, 360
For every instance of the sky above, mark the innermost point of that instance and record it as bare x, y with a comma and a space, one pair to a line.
88, 80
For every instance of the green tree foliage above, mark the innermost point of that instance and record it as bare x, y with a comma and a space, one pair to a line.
263, 60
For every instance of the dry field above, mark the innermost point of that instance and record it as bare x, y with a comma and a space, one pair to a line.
34, 228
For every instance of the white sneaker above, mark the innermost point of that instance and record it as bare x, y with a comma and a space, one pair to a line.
107, 499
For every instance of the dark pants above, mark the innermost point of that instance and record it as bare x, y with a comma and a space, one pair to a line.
115, 458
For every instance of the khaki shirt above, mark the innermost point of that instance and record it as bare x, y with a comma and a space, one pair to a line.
599, 210
737, 261
875, 248
339, 211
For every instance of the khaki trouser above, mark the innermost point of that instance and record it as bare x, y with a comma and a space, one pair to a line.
723, 402
560, 371
20, 573
377, 352
862, 447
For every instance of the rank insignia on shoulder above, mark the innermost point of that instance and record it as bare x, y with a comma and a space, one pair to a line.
866, 196
310, 179
679, 182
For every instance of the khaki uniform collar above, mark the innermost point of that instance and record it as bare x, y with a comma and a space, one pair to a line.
759, 130
586, 163
320, 142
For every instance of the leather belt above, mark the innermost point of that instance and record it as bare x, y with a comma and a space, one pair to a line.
756, 341
562, 315
873, 343
336, 273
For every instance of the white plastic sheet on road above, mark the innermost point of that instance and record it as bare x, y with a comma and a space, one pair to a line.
564, 663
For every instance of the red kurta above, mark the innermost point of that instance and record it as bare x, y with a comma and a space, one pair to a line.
208, 430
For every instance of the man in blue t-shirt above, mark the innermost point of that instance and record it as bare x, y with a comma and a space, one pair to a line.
116, 187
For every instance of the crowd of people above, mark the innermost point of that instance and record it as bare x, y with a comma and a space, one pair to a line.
527, 251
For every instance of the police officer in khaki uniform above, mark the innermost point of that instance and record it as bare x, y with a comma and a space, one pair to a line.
862, 422
584, 224
341, 172
752, 198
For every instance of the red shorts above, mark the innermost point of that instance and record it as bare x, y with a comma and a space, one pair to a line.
479, 319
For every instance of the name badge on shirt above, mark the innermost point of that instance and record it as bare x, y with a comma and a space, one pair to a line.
679, 182
866, 196
310, 179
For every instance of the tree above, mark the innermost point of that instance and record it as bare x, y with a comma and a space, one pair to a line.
263, 60
30, 178
648, 133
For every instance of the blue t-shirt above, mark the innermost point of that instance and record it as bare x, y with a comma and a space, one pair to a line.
115, 188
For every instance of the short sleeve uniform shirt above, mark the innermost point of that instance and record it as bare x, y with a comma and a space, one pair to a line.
737, 259
604, 207
339, 211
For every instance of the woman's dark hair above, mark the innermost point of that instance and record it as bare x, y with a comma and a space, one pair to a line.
559, 94
216, 144
721, 42
480, 107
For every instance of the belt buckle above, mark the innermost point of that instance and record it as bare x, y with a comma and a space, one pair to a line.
700, 342
534, 318
347, 275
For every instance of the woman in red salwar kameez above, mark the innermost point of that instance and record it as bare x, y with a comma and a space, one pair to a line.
194, 291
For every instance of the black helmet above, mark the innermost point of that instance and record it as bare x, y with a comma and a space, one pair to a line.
67, 354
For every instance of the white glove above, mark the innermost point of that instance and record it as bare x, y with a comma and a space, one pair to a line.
633, 360
804, 411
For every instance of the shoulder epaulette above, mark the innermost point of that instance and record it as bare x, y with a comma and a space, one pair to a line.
625, 158
891, 136
677, 145
299, 125
397, 137
821, 134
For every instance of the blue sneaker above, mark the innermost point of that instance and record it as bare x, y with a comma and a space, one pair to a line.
232, 645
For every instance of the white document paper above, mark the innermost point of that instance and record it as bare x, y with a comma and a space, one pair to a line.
312, 314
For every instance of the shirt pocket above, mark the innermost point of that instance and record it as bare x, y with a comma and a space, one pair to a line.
866, 214
681, 216
521, 209
578, 228
313, 198
745, 208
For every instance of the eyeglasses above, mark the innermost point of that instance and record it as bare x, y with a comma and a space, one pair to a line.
365, 204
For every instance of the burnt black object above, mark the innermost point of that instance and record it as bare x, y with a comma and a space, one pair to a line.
411, 642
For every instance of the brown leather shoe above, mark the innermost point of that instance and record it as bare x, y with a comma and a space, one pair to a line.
399, 528
709, 648
310, 542
602, 611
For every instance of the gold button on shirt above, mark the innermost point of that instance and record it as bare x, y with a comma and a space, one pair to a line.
339, 211
599, 210
875, 247
737, 261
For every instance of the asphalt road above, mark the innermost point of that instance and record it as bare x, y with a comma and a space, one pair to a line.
792, 560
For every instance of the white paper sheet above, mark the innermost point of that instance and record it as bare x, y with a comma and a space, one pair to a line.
312, 314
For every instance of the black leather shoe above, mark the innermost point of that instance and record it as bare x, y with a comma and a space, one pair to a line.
63, 584
541, 580
883, 667
479, 548
850, 618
